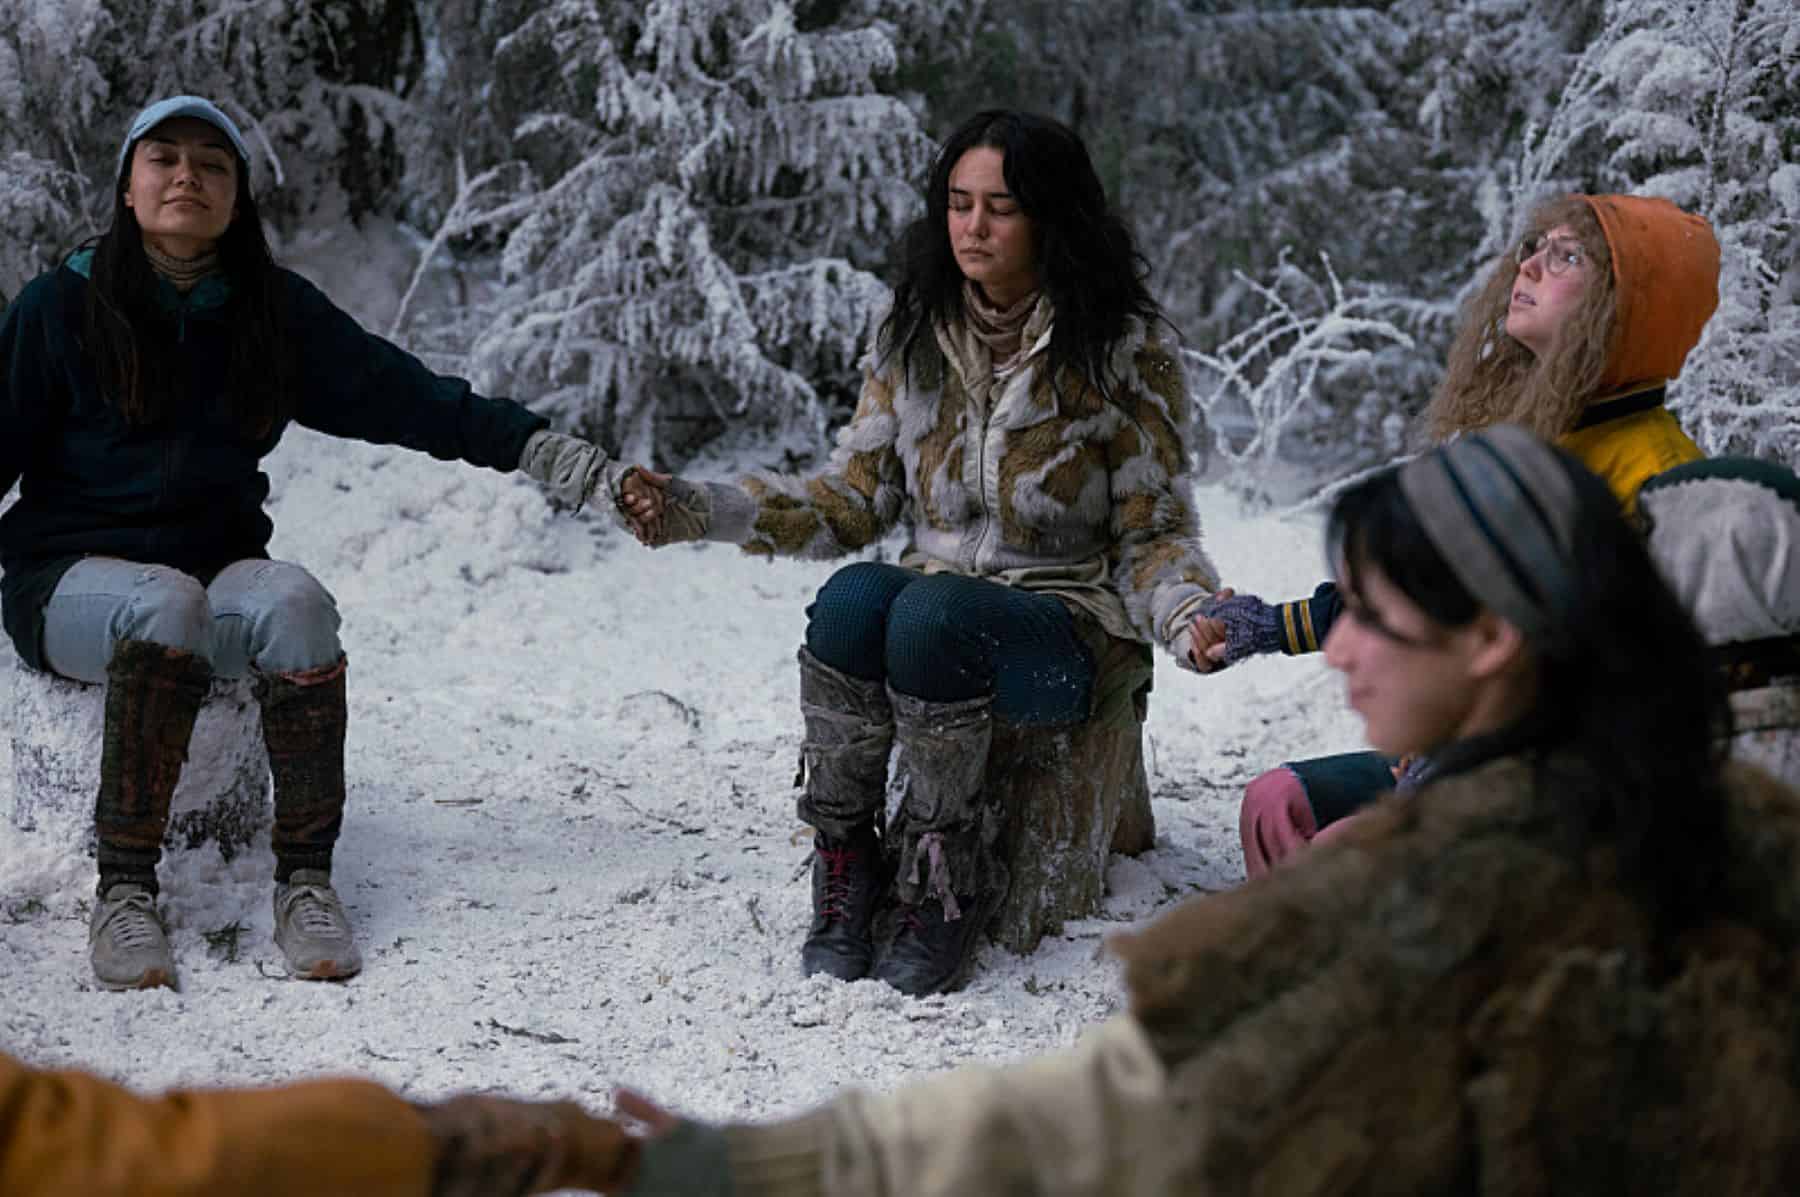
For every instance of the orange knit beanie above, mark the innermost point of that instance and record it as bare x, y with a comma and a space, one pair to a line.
1665, 265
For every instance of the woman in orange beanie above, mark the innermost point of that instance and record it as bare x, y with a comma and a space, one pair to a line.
1575, 335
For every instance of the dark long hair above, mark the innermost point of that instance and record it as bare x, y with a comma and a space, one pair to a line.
129, 337
1087, 260
1626, 691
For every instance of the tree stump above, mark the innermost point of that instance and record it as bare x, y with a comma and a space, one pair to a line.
56, 725
1070, 797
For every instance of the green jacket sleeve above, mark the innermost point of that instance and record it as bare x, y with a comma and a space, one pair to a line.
29, 394
354, 384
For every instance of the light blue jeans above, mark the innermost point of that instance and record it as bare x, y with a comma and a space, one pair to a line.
270, 616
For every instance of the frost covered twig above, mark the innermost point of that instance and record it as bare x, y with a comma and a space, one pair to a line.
1331, 490
461, 218
1581, 108
1270, 369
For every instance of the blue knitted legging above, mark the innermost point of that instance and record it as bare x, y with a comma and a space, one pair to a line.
945, 638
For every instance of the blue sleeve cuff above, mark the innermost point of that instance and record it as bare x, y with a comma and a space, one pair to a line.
1304, 623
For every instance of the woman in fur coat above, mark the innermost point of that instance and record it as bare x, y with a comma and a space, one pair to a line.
1575, 335
1562, 964
1023, 415
142, 381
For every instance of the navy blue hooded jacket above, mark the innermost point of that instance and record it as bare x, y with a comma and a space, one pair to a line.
188, 491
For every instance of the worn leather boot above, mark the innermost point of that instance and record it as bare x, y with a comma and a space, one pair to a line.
849, 732
947, 883
935, 941
846, 883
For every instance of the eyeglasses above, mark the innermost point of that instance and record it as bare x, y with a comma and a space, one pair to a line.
1563, 254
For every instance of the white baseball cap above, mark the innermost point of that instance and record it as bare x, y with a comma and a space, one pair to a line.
174, 106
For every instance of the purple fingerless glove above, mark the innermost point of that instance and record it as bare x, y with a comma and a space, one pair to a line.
1251, 625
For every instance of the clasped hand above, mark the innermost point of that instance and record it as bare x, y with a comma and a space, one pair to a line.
1207, 639
489, 1146
663, 509
574, 470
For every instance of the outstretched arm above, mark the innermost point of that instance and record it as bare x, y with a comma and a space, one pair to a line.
70, 1132
578, 472
29, 391
845, 507
352, 383
1077, 1122
1244, 625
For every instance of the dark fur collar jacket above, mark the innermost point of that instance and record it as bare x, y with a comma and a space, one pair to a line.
1446, 999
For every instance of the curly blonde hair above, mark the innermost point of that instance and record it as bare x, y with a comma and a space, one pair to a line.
1493, 379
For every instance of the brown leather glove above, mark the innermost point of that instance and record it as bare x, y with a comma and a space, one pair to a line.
502, 1147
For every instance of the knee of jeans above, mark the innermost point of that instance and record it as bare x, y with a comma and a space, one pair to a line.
297, 622
290, 593
930, 649
169, 608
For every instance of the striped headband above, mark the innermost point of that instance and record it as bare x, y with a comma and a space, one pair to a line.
1500, 506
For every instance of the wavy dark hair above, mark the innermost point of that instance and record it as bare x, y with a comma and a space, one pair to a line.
128, 335
1086, 257
1646, 731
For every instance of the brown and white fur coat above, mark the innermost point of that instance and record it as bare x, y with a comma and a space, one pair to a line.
1042, 484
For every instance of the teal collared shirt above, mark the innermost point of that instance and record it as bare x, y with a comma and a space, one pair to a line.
209, 294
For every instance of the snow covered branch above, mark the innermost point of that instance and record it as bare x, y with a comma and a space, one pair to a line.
1268, 371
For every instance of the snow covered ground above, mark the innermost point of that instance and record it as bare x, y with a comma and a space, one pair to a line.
571, 851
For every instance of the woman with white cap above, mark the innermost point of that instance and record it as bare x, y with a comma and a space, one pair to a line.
141, 383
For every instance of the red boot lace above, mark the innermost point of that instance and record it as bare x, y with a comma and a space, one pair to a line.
836, 903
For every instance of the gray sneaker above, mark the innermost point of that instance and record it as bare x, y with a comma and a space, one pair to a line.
312, 930
126, 941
